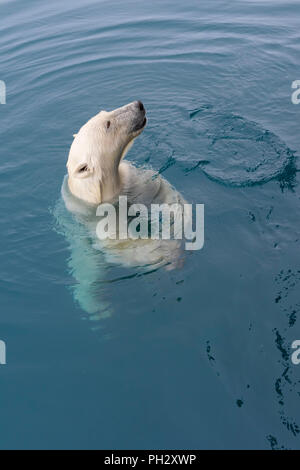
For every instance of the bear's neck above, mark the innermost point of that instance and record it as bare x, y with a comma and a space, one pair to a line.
111, 187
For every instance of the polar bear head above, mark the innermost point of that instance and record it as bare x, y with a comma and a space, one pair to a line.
97, 149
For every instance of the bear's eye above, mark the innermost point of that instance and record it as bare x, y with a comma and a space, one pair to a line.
83, 168
108, 124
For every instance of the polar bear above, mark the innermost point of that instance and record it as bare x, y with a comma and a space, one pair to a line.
97, 174
95, 171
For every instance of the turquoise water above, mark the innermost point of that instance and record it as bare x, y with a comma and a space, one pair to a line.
197, 357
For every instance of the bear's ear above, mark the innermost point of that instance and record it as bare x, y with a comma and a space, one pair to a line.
83, 170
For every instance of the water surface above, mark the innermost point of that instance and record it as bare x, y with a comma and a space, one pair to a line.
197, 357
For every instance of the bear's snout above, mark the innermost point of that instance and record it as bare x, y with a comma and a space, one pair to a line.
140, 119
141, 106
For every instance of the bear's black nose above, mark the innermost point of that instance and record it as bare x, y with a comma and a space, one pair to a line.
140, 105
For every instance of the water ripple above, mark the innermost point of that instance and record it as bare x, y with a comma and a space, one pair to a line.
240, 152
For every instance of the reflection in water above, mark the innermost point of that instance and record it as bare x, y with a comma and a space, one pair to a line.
91, 258
85, 264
